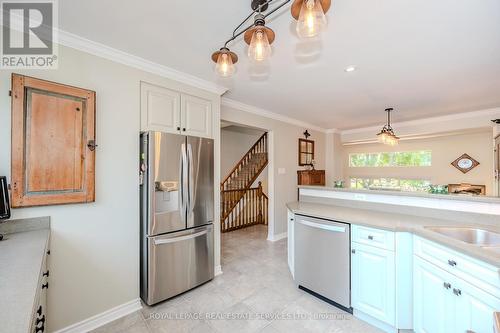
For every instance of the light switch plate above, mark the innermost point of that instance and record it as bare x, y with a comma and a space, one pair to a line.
281, 171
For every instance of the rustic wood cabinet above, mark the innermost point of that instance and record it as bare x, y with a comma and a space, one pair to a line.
311, 177
53, 143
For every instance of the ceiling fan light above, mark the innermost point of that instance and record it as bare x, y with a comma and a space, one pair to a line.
260, 48
311, 19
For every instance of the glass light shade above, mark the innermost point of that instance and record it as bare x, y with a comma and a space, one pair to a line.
224, 66
387, 138
311, 19
259, 49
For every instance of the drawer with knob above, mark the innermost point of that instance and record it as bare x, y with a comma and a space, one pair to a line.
383, 239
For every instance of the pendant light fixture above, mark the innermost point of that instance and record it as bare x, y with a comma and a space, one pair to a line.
310, 16
259, 38
311, 19
225, 60
386, 135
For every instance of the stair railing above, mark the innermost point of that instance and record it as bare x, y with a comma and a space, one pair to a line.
245, 172
252, 208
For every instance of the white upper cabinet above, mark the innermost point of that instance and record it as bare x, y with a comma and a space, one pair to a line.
160, 109
196, 116
171, 111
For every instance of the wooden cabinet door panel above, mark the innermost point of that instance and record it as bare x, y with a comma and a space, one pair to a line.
51, 126
54, 149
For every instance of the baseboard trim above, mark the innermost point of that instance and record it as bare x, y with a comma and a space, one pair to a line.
274, 238
218, 270
103, 318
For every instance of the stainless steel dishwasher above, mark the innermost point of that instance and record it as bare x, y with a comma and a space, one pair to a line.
322, 259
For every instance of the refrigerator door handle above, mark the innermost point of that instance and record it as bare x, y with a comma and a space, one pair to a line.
184, 182
191, 180
180, 239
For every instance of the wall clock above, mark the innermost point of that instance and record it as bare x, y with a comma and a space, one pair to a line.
465, 163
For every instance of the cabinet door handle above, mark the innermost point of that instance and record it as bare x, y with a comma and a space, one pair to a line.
46, 285
46, 273
178, 128
40, 320
447, 285
353, 251
184, 129
91, 145
457, 292
452, 262
370, 237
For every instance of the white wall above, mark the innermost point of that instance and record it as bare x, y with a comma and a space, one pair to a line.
94, 259
285, 137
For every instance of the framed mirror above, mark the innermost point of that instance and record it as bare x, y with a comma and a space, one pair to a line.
306, 152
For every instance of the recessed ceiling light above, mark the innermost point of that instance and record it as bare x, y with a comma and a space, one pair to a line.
350, 69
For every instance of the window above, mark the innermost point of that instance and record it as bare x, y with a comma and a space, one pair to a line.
393, 184
391, 159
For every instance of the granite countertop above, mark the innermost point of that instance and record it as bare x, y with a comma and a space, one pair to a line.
401, 223
21, 258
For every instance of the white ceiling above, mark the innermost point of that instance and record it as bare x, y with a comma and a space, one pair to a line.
424, 58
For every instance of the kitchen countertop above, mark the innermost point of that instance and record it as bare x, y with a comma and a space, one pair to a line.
21, 258
401, 223
457, 197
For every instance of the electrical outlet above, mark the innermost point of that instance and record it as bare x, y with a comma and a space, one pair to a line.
360, 196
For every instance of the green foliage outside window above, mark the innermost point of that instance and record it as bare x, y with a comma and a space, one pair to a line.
391, 159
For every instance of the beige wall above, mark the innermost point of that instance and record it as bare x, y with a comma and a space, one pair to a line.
94, 261
444, 150
234, 145
284, 136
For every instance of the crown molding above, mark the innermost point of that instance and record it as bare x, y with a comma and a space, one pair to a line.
268, 114
332, 131
452, 117
82, 44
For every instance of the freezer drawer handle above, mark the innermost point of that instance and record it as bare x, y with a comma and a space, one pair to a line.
322, 226
179, 239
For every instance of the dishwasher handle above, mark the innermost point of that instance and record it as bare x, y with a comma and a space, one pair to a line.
327, 227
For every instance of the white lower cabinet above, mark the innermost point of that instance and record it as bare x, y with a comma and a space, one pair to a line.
290, 240
432, 298
444, 303
474, 310
373, 282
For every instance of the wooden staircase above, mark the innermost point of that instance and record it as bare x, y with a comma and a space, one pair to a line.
241, 205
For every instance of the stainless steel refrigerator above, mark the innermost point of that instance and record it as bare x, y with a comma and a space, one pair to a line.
177, 212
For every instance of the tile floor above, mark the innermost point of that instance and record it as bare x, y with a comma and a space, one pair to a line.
254, 286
